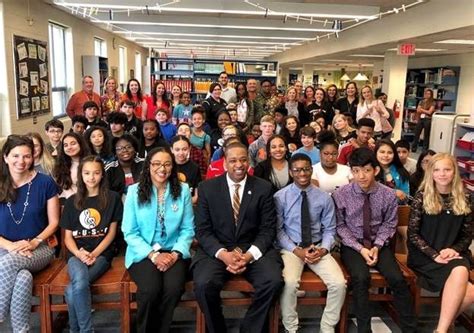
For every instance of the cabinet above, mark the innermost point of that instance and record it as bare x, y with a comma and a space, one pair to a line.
98, 68
444, 83
464, 153
196, 75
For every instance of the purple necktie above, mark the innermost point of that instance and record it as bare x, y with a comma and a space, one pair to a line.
367, 216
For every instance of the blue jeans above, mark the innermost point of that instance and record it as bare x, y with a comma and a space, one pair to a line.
78, 293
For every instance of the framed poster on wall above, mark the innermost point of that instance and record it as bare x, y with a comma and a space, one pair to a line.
31, 77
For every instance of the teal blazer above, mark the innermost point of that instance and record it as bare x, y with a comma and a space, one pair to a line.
139, 224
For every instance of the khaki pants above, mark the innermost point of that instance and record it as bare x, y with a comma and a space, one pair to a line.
330, 272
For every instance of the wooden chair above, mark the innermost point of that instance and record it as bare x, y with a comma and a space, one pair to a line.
311, 282
466, 319
40, 281
112, 282
130, 304
378, 282
235, 284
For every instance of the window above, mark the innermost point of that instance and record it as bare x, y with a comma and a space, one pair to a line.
122, 65
138, 66
100, 47
58, 42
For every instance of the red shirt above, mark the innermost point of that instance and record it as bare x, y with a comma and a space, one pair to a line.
346, 152
74, 106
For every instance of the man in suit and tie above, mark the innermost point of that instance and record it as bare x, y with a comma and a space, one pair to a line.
236, 228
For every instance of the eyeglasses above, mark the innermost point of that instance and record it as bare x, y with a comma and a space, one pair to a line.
330, 154
305, 170
158, 165
124, 148
58, 131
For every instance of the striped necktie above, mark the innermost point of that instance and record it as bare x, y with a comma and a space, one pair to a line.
236, 202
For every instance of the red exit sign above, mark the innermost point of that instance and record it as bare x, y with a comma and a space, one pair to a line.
406, 49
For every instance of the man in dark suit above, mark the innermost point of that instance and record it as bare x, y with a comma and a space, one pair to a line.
236, 228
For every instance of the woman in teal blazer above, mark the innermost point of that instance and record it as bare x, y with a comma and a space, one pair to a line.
158, 227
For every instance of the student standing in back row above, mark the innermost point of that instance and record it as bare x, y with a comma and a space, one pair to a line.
90, 218
366, 213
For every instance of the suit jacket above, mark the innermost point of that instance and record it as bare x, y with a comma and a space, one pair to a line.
215, 227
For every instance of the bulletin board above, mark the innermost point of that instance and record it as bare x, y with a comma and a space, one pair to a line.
31, 77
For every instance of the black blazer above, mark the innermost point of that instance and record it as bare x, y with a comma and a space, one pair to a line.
264, 170
215, 228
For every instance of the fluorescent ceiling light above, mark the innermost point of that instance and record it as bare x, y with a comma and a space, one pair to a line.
204, 35
217, 26
367, 55
456, 41
151, 39
215, 49
335, 60
212, 11
420, 50
234, 46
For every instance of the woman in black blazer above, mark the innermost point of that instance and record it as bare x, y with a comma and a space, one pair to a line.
275, 168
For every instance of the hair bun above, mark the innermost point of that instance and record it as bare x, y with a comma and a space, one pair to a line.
326, 136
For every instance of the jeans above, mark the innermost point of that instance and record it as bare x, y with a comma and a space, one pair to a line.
78, 293
423, 124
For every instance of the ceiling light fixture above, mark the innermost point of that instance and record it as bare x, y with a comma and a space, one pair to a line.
345, 77
456, 41
207, 35
368, 55
218, 26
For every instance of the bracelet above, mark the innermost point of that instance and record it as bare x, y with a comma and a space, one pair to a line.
40, 240
153, 257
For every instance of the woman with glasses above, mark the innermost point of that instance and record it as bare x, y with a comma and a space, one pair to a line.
126, 169
158, 229
328, 175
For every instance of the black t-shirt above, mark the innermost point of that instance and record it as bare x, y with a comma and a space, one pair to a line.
189, 173
89, 226
347, 108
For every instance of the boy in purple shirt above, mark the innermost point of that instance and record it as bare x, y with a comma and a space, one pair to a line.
366, 216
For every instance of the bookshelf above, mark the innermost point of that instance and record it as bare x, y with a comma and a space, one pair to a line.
196, 75
98, 68
444, 83
464, 153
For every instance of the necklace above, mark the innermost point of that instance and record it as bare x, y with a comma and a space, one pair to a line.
9, 205
161, 213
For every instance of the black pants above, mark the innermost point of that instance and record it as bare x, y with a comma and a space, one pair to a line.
158, 294
360, 281
210, 274
423, 124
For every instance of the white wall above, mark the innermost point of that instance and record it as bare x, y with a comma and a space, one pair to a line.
465, 100
14, 15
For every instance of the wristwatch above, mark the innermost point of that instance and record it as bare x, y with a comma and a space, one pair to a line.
153, 256
40, 240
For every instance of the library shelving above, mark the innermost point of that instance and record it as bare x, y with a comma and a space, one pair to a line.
196, 75
464, 153
98, 68
444, 83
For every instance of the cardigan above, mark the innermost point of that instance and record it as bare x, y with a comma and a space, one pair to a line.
139, 224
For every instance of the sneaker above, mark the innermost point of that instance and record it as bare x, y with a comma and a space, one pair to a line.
300, 293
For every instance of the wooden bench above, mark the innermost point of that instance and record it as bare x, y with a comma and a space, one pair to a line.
40, 281
112, 282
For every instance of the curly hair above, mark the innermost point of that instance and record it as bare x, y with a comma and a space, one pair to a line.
145, 184
62, 169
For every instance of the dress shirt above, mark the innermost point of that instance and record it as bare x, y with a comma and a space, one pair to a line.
349, 201
254, 251
321, 209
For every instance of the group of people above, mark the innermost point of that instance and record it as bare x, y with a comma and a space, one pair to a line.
286, 179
